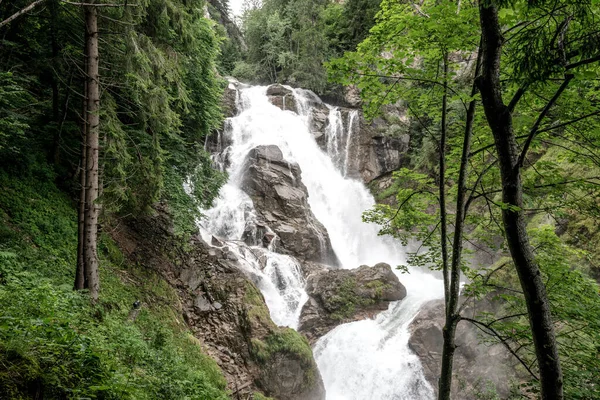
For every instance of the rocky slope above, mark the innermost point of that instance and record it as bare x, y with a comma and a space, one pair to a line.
225, 311
340, 296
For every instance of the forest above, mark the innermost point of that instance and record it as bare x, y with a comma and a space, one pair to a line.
186, 196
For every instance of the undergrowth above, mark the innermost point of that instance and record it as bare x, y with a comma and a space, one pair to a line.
54, 344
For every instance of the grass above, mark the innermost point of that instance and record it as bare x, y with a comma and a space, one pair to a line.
54, 343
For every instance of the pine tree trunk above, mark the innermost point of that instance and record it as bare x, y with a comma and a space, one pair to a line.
500, 121
92, 156
80, 272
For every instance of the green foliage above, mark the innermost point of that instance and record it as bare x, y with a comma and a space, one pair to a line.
54, 343
574, 302
345, 301
403, 59
286, 341
288, 42
160, 96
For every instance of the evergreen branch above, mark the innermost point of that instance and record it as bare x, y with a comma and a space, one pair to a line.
97, 4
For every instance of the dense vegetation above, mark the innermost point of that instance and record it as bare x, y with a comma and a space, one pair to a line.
288, 41
54, 343
159, 96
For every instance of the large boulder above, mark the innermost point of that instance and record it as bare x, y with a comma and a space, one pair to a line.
340, 296
478, 367
281, 202
282, 97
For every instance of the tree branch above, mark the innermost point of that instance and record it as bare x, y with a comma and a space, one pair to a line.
583, 62
536, 125
520, 92
21, 12
491, 331
568, 122
98, 4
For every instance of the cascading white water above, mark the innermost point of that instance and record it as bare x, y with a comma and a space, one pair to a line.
362, 360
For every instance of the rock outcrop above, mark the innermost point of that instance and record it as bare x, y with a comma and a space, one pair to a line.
340, 296
375, 149
282, 97
477, 366
225, 311
281, 202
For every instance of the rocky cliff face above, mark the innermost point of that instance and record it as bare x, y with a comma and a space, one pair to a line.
374, 151
341, 296
281, 202
477, 366
226, 312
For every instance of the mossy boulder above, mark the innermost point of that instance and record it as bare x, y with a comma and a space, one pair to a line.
341, 296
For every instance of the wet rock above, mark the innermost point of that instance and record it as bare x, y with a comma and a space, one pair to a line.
341, 296
282, 97
476, 365
318, 122
229, 102
281, 202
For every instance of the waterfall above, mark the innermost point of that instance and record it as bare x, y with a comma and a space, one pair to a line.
362, 360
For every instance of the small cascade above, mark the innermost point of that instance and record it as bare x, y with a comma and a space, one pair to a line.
351, 128
339, 137
334, 132
363, 360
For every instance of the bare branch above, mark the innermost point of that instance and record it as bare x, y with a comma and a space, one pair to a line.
536, 125
569, 122
583, 62
21, 12
491, 331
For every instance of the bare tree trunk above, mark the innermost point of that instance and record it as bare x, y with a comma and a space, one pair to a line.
80, 272
445, 382
500, 121
452, 315
92, 153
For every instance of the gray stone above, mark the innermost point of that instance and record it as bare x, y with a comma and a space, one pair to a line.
341, 296
476, 365
202, 304
282, 97
281, 202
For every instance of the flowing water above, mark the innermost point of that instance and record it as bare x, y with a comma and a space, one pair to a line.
362, 360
